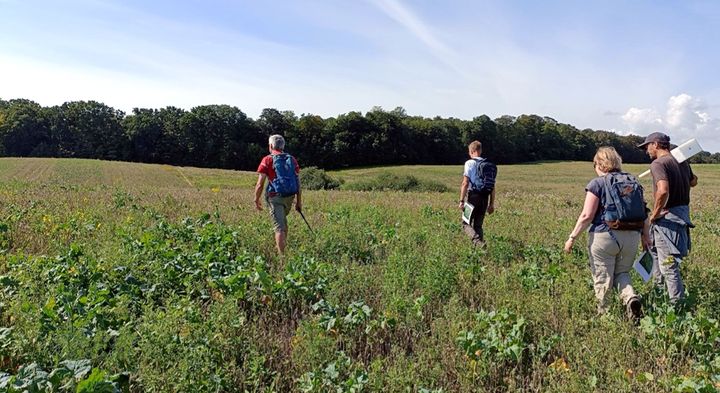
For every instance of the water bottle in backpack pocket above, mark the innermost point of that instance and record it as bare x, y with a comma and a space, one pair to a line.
285, 182
624, 202
485, 174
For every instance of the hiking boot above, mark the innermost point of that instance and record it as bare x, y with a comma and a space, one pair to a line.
634, 310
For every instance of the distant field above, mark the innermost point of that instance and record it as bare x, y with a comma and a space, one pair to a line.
163, 278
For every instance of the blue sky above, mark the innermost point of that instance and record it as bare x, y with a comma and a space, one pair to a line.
627, 66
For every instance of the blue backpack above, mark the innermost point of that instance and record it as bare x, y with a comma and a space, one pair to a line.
624, 202
286, 180
485, 174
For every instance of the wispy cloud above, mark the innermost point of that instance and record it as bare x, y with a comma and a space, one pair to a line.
404, 16
459, 58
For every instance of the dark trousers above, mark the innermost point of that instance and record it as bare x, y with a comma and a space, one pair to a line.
475, 229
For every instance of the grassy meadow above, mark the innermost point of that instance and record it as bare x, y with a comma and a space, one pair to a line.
135, 277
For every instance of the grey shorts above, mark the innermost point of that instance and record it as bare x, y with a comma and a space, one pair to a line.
279, 208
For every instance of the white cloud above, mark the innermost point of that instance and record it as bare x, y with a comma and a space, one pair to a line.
685, 113
685, 117
642, 119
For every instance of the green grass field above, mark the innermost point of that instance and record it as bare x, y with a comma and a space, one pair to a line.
156, 278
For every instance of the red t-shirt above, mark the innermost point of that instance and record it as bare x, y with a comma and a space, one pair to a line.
266, 166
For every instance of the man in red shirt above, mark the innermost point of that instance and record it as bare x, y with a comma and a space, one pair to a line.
282, 172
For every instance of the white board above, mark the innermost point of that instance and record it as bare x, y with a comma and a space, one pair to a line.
467, 212
643, 265
686, 150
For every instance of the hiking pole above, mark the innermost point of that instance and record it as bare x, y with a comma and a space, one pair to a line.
306, 222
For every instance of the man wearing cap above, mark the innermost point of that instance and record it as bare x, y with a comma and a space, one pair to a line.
670, 216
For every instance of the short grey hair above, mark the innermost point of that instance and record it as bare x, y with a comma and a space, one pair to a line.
277, 142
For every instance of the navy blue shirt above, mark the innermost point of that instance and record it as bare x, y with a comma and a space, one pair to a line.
597, 188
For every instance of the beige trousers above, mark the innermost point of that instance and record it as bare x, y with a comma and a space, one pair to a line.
611, 258
279, 208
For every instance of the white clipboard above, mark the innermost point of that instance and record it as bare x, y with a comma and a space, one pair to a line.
467, 212
643, 265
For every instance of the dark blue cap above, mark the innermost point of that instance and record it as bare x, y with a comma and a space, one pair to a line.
655, 137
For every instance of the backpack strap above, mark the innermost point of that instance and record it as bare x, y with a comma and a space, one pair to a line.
608, 197
608, 200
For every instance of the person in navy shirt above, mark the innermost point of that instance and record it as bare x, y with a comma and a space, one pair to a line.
611, 251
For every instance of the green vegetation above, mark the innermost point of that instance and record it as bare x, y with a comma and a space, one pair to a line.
314, 178
222, 136
133, 277
390, 182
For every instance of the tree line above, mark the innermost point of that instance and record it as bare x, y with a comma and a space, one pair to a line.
222, 136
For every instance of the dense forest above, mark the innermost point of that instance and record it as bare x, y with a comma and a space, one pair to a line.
222, 136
